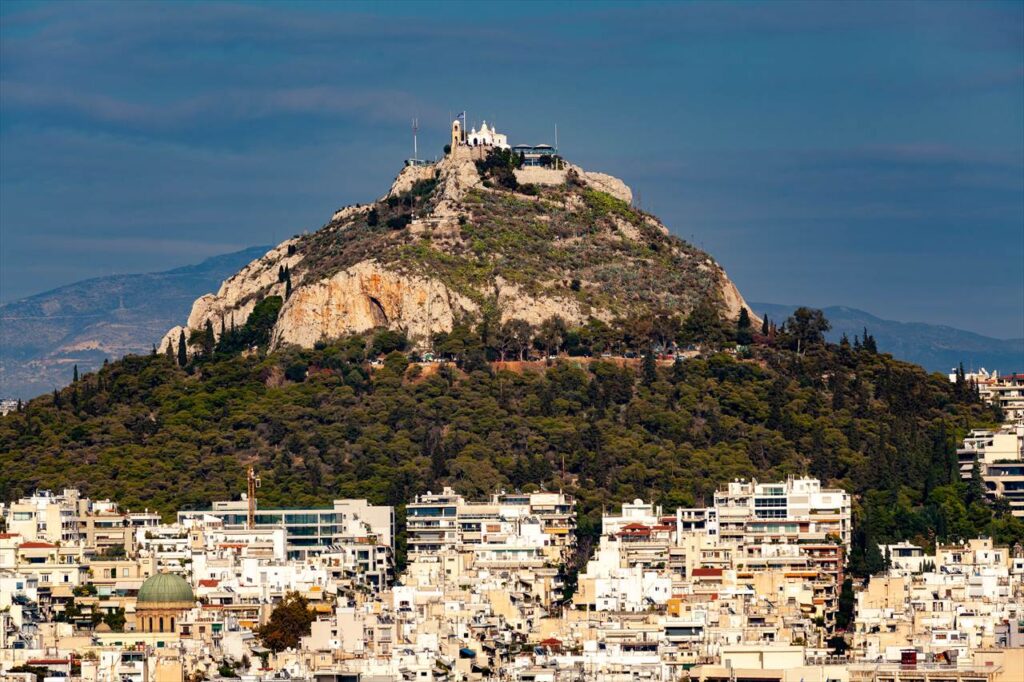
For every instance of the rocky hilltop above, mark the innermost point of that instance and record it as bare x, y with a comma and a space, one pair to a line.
470, 233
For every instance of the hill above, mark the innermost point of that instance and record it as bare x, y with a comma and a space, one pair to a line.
307, 364
937, 348
324, 422
43, 336
474, 233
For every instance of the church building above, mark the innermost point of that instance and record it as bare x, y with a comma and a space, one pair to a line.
487, 136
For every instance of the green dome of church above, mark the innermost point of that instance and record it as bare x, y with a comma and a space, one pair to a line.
165, 587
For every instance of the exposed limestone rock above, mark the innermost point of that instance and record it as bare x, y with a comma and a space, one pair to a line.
408, 177
516, 304
345, 285
733, 299
364, 297
349, 212
239, 294
654, 222
607, 183
628, 230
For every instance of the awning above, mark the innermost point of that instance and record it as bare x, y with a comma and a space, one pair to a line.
128, 585
62, 591
466, 653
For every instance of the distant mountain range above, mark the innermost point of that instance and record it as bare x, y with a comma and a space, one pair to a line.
42, 337
935, 347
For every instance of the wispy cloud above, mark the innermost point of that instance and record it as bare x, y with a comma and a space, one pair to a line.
232, 105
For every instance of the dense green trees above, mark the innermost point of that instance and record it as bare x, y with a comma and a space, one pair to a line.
322, 423
289, 622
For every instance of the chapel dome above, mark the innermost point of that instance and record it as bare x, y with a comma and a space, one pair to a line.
164, 588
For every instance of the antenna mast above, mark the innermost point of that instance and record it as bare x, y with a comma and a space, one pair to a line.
415, 129
253, 483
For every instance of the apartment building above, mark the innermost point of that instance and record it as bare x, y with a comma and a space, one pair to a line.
536, 526
796, 510
46, 516
102, 525
307, 531
999, 455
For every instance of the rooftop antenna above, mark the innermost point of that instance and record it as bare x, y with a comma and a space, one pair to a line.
253, 483
556, 137
415, 129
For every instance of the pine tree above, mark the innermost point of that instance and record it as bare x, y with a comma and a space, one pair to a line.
182, 350
869, 342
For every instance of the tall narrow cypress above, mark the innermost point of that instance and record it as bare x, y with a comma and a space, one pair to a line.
182, 351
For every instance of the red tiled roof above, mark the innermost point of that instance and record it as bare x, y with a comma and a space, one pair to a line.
209, 583
633, 526
47, 661
36, 545
7, 536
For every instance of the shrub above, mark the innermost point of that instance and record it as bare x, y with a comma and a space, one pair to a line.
399, 221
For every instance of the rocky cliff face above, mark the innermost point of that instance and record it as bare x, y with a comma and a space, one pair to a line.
446, 241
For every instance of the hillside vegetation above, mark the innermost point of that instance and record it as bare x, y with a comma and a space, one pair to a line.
323, 423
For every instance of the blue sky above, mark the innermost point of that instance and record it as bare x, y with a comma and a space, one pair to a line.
866, 154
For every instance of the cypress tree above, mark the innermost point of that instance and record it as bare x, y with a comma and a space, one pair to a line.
169, 352
182, 351
208, 341
743, 334
650, 367
764, 325
74, 378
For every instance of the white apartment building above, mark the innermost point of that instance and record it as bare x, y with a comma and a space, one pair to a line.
1000, 458
1006, 391
798, 509
508, 523
46, 517
308, 531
